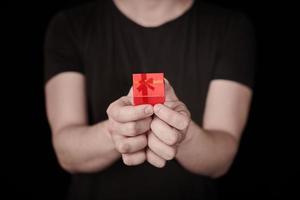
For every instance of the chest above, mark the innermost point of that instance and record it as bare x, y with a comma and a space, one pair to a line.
185, 55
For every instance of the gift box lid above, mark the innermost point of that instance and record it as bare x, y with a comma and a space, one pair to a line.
148, 85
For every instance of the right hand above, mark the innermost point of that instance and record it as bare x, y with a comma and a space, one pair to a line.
128, 125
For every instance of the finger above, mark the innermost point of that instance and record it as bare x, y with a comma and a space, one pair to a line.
154, 159
130, 93
164, 132
134, 158
159, 148
130, 144
169, 91
122, 111
171, 117
132, 128
178, 106
182, 109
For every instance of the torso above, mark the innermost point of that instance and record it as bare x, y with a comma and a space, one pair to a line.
114, 47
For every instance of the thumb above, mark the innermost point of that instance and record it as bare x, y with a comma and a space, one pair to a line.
169, 92
130, 95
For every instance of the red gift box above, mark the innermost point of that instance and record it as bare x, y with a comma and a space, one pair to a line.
148, 88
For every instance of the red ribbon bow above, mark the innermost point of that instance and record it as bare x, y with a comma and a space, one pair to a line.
145, 84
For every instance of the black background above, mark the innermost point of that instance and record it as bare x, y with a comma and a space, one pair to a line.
265, 165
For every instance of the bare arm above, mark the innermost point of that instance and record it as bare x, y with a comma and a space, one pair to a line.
211, 149
79, 147
207, 150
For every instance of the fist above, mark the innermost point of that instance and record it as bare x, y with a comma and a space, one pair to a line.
168, 129
127, 125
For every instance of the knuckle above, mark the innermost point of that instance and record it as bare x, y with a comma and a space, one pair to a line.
124, 98
131, 128
180, 104
123, 147
183, 123
127, 160
173, 138
186, 122
112, 112
132, 159
173, 119
158, 109
137, 113
161, 164
108, 110
171, 154
142, 158
154, 160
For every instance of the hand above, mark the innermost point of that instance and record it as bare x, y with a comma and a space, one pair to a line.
168, 128
127, 125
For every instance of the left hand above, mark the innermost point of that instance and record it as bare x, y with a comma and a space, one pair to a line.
168, 128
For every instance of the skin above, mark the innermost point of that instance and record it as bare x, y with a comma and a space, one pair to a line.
151, 13
171, 134
146, 133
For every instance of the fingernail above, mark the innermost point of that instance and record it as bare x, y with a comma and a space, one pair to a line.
157, 107
149, 110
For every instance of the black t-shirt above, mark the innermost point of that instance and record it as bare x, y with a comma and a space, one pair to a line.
207, 42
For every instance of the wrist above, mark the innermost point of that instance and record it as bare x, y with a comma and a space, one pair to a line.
105, 129
190, 135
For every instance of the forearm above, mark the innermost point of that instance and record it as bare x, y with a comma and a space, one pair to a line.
208, 153
85, 148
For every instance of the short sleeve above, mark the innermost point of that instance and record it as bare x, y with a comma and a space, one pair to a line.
237, 54
61, 48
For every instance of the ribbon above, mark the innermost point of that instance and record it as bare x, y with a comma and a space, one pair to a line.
145, 84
